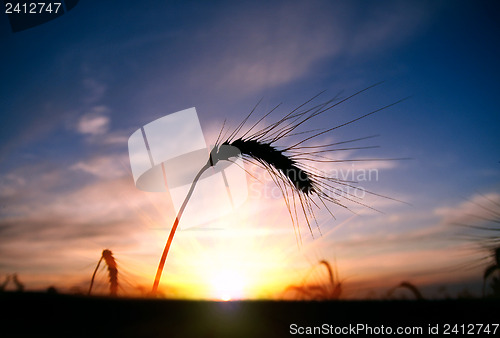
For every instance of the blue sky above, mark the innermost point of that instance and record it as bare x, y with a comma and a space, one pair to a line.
75, 88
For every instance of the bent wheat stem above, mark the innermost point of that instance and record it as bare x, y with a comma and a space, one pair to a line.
174, 228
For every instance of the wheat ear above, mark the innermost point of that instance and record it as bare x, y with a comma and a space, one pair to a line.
107, 256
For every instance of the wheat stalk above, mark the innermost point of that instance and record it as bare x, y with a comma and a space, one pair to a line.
163, 258
299, 182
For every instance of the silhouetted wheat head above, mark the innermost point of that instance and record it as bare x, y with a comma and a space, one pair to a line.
292, 167
108, 258
318, 290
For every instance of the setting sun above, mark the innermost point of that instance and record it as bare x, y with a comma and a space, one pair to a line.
228, 285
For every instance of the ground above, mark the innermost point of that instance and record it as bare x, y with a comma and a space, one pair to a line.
55, 315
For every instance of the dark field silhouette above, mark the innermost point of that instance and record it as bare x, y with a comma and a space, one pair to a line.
54, 315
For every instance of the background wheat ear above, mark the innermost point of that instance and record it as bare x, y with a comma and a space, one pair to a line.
15, 279
318, 290
110, 261
495, 283
484, 232
409, 286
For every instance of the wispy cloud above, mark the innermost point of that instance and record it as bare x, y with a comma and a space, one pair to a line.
95, 122
477, 209
255, 50
65, 229
385, 26
106, 167
94, 125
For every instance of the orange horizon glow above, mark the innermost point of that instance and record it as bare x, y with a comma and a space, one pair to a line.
252, 253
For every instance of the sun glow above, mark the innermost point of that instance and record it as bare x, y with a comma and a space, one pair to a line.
250, 253
228, 285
